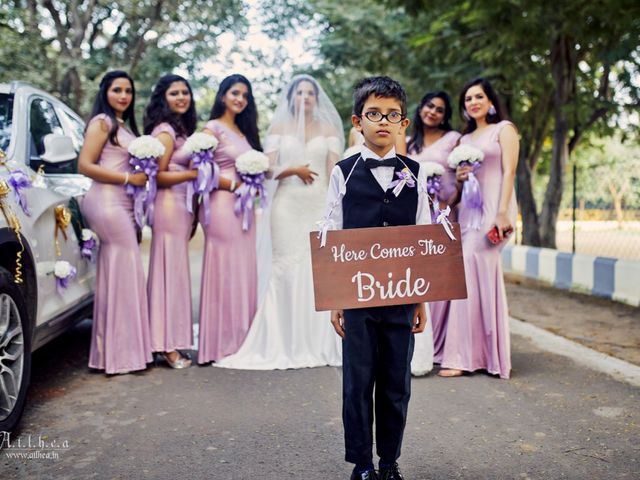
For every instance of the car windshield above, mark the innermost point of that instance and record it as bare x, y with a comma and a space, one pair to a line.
6, 116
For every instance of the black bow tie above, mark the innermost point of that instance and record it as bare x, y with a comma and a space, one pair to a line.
375, 163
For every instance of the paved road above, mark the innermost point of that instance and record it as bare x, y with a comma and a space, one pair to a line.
553, 420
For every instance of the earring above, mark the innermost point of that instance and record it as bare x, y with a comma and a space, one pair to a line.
492, 110
466, 116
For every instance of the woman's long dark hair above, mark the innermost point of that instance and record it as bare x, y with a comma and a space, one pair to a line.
417, 134
158, 110
470, 125
101, 105
247, 121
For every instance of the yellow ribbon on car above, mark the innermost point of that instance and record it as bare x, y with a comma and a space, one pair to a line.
13, 222
63, 220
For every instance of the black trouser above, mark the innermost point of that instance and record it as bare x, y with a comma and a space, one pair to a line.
376, 351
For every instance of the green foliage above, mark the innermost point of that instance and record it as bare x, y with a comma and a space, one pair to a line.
77, 42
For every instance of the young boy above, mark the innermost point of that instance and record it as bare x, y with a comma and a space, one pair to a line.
377, 342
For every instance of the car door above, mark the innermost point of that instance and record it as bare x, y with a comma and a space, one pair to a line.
60, 183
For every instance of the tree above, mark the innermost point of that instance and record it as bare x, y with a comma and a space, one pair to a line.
82, 39
556, 67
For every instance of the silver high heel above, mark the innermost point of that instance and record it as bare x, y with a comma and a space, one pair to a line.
178, 363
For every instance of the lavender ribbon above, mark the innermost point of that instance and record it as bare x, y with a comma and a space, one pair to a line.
88, 248
442, 217
472, 200
404, 178
144, 197
208, 180
251, 189
19, 181
63, 283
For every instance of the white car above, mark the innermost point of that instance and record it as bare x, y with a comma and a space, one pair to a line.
38, 133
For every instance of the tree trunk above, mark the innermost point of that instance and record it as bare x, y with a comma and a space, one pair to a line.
563, 70
71, 89
617, 205
527, 204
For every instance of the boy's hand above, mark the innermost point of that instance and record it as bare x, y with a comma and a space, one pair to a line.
337, 320
419, 318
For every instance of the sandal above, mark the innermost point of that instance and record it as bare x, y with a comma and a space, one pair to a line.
450, 373
179, 363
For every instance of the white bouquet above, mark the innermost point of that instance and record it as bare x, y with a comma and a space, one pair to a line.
252, 167
464, 154
471, 199
144, 151
146, 146
432, 169
252, 163
201, 146
200, 142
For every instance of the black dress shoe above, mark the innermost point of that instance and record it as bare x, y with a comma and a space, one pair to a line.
368, 475
391, 473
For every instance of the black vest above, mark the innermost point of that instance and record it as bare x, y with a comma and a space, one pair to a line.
366, 205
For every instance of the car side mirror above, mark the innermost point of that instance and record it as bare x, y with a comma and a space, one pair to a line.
58, 149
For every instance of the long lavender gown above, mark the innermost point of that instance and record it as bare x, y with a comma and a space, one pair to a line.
120, 336
169, 285
438, 152
478, 328
229, 278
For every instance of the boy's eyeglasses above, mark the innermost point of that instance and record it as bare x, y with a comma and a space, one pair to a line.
392, 117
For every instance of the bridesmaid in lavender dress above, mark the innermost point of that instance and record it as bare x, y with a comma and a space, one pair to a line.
432, 140
120, 337
171, 118
477, 335
228, 298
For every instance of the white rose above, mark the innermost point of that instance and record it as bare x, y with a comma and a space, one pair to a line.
87, 234
62, 269
252, 162
199, 142
464, 153
432, 168
146, 146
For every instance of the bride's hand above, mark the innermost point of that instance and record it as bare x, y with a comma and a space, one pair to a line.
306, 174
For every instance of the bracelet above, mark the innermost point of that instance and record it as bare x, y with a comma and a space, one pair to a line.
126, 178
232, 187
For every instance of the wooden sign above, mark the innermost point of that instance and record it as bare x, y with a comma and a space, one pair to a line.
372, 267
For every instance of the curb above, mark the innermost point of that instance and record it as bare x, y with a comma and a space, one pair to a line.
611, 278
601, 362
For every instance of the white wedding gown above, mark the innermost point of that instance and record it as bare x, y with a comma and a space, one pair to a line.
287, 332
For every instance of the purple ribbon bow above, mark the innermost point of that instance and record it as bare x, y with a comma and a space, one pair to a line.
63, 283
252, 189
87, 249
144, 197
404, 178
208, 180
472, 200
19, 181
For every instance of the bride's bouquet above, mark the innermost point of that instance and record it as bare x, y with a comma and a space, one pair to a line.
145, 152
201, 146
252, 167
471, 196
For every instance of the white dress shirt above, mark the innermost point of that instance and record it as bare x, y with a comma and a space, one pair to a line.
384, 177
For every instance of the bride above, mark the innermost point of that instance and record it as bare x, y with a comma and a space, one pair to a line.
304, 142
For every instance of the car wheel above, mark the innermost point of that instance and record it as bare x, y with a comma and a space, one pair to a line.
15, 352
